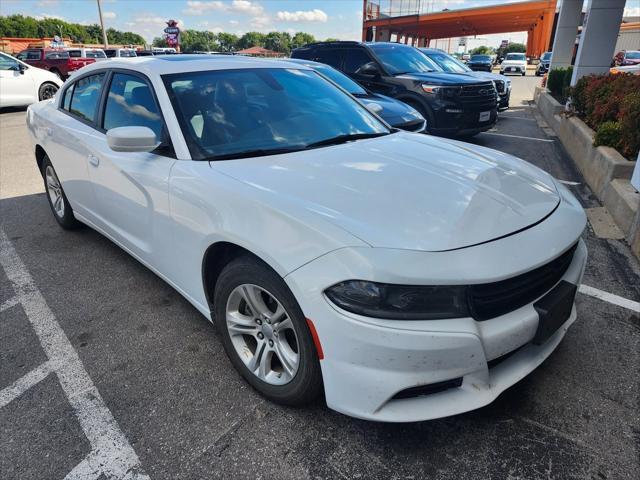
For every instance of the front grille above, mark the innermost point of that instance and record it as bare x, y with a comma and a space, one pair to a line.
480, 96
500, 86
491, 300
429, 389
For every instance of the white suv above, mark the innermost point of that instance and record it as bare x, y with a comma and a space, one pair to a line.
514, 63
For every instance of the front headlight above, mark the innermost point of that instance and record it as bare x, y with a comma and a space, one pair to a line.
400, 302
440, 90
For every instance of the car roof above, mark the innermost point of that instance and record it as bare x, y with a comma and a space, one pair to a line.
167, 64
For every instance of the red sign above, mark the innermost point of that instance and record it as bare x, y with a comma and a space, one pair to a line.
172, 34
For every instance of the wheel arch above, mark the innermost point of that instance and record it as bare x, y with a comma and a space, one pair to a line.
215, 258
40, 154
419, 104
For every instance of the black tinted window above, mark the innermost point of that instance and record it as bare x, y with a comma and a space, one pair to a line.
110, 53
68, 93
330, 56
85, 97
130, 102
30, 55
354, 59
8, 63
75, 53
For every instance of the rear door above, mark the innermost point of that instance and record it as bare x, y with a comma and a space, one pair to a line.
73, 134
132, 188
354, 62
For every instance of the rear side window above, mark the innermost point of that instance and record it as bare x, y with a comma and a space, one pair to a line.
85, 96
66, 103
330, 56
130, 102
75, 53
95, 54
110, 53
355, 59
56, 55
30, 55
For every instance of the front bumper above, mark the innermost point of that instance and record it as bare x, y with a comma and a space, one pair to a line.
367, 362
512, 70
503, 100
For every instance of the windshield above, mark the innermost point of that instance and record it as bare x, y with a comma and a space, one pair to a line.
546, 57
341, 79
633, 55
399, 59
448, 63
228, 114
480, 58
515, 56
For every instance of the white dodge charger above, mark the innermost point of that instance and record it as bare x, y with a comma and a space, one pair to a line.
408, 277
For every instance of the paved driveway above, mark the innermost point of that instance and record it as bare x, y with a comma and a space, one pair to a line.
106, 370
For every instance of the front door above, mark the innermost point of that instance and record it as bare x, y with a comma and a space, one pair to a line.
132, 188
16, 86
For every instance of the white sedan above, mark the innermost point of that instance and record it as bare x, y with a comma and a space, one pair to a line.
22, 84
408, 277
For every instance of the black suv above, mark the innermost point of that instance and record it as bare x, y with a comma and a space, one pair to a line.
452, 104
480, 63
543, 66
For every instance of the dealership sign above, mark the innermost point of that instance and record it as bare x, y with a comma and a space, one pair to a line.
172, 34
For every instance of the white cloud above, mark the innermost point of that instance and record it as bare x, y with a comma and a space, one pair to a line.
48, 3
109, 15
198, 8
149, 25
314, 15
233, 22
44, 16
632, 12
244, 7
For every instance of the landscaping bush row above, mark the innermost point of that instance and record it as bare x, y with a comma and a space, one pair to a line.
558, 83
610, 104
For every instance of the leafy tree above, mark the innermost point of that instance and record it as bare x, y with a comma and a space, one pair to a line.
278, 42
197, 40
300, 39
516, 48
160, 42
251, 39
330, 39
482, 50
228, 42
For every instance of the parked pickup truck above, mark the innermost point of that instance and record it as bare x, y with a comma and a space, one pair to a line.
56, 61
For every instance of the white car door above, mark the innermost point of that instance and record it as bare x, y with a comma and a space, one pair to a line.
17, 87
132, 189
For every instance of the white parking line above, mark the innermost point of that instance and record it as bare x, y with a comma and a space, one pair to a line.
517, 136
610, 298
112, 455
24, 383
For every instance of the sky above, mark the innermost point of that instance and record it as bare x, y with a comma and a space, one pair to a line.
322, 18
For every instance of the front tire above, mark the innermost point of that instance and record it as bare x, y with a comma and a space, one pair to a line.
60, 207
265, 333
47, 90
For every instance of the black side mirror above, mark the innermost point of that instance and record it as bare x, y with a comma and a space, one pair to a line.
369, 69
18, 68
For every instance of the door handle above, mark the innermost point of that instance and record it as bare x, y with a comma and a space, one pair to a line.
93, 160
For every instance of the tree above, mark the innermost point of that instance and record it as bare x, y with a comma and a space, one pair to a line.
251, 39
300, 39
330, 39
516, 48
228, 42
159, 42
278, 42
482, 50
198, 41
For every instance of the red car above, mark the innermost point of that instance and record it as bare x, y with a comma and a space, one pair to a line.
56, 61
627, 57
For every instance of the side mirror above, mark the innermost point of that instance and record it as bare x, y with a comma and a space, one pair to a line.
18, 68
370, 69
132, 139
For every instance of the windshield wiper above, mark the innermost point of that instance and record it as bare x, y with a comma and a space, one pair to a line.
349, 137
261, 152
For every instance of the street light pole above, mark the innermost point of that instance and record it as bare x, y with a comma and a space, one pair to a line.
104, 32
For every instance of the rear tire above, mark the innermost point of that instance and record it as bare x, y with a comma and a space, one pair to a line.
47, 90
265, 333
60, 207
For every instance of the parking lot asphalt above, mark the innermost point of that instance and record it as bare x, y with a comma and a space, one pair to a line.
107, 372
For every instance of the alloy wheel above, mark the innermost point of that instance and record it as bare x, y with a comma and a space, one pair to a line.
55, 191
262, 334
48, 91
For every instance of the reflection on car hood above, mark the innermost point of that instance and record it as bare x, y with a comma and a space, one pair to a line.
394, 112
406, 191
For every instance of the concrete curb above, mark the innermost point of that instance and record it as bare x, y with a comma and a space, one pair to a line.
606, 171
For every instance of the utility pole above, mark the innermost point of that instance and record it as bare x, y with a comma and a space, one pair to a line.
104, 32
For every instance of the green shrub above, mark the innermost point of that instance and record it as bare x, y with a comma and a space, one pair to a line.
608, 135
629, 119
566, 82
555, 82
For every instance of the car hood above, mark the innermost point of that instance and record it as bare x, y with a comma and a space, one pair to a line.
393, 111
488, 76
406, 191
440, 78
632, 61
513, 63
